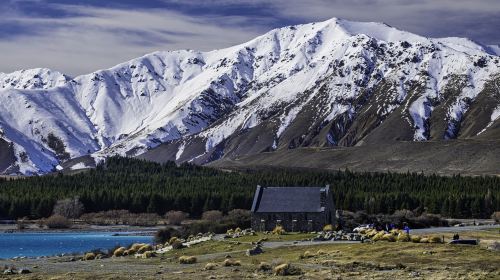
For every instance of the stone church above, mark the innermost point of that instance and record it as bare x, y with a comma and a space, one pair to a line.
293, 208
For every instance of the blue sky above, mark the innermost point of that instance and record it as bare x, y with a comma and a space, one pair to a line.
80, 36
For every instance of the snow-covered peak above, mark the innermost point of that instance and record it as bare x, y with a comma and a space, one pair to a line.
326, 70
37, 78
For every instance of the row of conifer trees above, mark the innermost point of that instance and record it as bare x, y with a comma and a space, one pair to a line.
140, 186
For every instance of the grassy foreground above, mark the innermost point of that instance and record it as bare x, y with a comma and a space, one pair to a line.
380, 260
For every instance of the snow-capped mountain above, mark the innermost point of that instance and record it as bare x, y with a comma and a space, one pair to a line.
332, 83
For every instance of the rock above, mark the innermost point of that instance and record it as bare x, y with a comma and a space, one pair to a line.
23, 271
254, 251
9, 271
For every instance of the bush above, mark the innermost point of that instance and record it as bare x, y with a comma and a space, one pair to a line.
279, 230
145, 248
415, 239
496, 216
263, 266
286, 269
165, 234
435, 239
148, 255
89, 257
57, 222
176, 217
231, 262
403, 237
136, 246
389, 237
187, 259
424, 240
119, 252
116, 217
210, 266
177, 244
212, 216
307, 255
70, 208
328, 228
239, 217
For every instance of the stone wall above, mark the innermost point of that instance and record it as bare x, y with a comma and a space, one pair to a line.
291, 222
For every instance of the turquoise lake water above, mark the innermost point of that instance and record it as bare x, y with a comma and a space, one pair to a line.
50, 244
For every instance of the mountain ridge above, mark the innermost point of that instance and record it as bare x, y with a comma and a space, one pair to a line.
327, 84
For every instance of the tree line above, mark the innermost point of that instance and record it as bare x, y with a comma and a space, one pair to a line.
141, 186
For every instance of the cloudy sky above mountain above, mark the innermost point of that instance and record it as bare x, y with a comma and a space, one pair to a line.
80, 36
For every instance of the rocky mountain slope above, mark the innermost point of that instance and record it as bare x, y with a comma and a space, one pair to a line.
329, 84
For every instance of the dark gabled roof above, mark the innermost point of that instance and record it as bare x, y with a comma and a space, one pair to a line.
287, 199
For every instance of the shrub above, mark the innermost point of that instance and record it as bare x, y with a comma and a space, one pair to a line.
424, 240
263, 266
435, 239
177, 244
210, 266
148, 255
176, 217
239, 218
279, 230
378, 236
57, 222
119, 252
496, 216
328, 228
307, 255
415, 239
286, 269
116, 217
389, 237
212, 216
70, 208
136, 246
231, 262
145, 248
403, 237
187, 259
165, 234
89, 257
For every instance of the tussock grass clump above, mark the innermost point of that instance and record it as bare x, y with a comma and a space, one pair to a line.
120, 252
424, 240
279, 230
173, 240
403, 237
148, 255
187, 259
435, 239
286, 269
177, 244
415, 239
89, 257
136, 246
389, 237
145, 248
263, 266
378, 236
231, 262
320, 252
307, 255
328, 227
210, 266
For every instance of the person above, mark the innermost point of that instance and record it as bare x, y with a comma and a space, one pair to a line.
455, 236
407, 229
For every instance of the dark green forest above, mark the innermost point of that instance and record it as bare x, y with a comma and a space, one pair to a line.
140, 186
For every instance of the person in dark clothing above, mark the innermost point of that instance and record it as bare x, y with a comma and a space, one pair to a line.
456, 237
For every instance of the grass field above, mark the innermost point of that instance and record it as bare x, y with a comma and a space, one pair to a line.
380, 260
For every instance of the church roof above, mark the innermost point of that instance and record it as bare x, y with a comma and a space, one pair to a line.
288, 199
